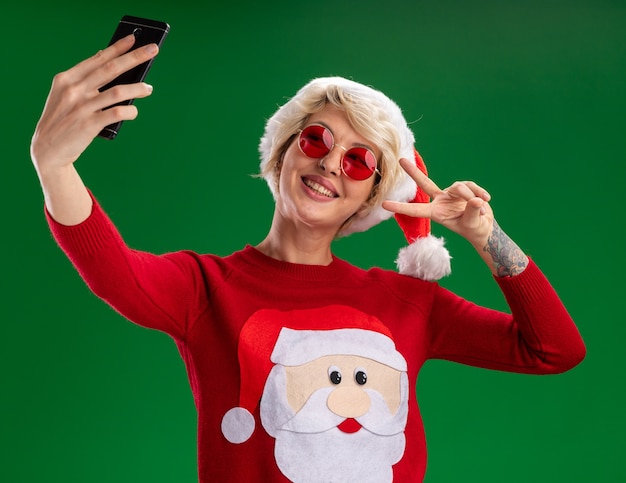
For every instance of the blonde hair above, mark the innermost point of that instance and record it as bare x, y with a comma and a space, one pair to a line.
372, 114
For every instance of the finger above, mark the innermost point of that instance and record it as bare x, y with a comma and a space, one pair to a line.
417, 210
116, 114
460, 190
118, 65
467, 190
423, 181
475, 208
101, 57
119, 93
478, 191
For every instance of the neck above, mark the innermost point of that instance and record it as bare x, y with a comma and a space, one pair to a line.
297, 244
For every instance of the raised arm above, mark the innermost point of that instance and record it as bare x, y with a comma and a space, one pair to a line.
538, 337
162, 292
73, 116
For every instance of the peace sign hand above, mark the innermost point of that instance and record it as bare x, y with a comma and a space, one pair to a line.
462, 208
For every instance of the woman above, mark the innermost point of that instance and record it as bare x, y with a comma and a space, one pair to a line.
302, 366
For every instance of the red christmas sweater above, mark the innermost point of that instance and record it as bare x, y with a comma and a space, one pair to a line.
227, 316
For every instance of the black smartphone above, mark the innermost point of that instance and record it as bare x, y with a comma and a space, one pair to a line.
146, 32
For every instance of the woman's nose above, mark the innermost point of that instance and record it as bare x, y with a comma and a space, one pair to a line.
331, 163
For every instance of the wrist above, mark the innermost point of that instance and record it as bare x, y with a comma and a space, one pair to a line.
66, 198
502, 255
50, 174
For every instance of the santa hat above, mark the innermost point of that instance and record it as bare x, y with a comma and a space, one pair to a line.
426, 257
284, 337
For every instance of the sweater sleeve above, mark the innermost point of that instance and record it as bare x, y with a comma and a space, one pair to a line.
163, 292
538, 337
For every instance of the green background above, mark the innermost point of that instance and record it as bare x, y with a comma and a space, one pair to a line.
526, 98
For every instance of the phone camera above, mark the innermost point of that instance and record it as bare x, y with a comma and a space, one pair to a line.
137, 32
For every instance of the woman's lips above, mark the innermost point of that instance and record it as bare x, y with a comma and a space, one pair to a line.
320, 186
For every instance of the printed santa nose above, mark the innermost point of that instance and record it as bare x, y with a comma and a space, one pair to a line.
349, 402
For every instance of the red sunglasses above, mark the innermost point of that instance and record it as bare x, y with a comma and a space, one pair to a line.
316, 141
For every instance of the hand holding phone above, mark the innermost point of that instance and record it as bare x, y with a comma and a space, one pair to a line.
146, 32
72, 116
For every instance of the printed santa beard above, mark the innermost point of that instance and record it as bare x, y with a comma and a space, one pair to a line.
310, 448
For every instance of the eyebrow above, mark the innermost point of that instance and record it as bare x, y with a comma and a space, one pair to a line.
360, 145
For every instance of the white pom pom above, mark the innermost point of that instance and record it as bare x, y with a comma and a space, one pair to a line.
425, 258
238, 425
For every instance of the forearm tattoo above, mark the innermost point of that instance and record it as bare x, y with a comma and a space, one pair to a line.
508, 258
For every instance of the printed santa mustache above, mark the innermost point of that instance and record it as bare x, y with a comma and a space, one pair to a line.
316, 417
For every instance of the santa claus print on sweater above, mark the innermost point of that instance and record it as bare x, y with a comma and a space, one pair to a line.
334, 393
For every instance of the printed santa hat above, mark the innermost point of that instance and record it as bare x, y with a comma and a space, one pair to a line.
426, 257
272, 337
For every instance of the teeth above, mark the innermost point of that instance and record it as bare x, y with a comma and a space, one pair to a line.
319, 188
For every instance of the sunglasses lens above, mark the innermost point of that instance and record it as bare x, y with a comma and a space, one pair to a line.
359, 163
316, 141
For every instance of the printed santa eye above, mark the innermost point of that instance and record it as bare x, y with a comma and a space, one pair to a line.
360, 376
334, 374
